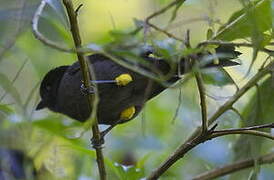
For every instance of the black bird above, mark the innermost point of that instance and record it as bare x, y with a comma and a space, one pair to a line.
122, 92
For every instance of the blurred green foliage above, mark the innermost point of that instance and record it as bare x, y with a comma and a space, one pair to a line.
60, 147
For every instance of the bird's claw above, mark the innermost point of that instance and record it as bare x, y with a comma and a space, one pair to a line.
85, 90
97, 143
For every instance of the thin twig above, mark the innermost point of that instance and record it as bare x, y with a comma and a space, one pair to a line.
39, 35
250, 132
234, 167
270, 125
164, 32
87, 83
163, 10
201, 89
197, 137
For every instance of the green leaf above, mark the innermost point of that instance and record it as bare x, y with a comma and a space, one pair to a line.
259, 110
7, 85
242, 23
129, 172
5, 110
209, 34
168, 49
217, 77
85, 151
57, 127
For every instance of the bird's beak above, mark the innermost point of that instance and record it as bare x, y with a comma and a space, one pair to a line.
41, 105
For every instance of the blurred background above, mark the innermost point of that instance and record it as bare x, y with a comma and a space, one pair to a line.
58, 147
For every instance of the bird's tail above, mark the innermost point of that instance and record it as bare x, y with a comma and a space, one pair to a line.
224, 56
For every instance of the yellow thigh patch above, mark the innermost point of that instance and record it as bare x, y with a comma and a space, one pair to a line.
127, 113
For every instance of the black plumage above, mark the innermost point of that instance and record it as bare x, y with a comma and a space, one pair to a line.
61, 87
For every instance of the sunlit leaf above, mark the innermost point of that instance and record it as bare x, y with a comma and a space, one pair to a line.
241, 24
56, 126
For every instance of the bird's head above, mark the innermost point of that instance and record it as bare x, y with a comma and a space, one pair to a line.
49, 88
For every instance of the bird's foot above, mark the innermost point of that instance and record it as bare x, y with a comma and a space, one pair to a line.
86, 91
123, 79
97, 143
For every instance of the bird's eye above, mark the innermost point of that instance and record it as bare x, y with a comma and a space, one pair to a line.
48, 87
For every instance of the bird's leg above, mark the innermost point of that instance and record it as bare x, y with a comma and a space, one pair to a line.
125, 115
101, 141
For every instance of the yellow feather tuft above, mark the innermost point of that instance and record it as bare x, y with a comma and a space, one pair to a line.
123, 79
128, 113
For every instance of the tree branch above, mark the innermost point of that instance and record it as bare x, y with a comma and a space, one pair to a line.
249, 132
270, 125
87, 83
197, 138
237, 166
201, 89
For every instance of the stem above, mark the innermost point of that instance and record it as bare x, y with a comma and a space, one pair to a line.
270, 125
163, 10
250, 132
201, 89
87, 83
237, 166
